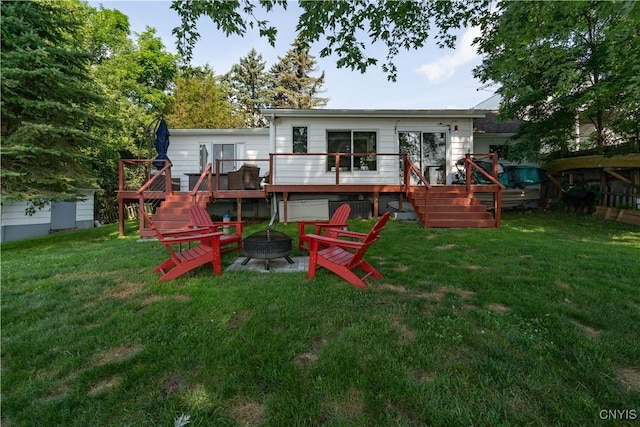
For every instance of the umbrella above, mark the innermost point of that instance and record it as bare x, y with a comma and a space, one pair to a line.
162, 144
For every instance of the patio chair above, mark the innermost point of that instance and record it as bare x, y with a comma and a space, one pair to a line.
188, 249
245, 178
338, 221
231, 236
342, 256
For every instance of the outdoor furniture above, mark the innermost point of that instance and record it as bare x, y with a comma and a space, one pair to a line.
188, 249
342, 257
338, 221
231, 231
245, 178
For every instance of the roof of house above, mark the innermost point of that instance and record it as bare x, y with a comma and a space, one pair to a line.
236, 132
491, 124
360, 113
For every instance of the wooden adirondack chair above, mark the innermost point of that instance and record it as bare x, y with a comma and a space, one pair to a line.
188, 249
231, 238
338, 221
344, 256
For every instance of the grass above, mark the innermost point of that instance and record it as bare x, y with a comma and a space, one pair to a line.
536, 323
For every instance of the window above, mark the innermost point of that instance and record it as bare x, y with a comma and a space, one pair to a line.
224, 152
360, 143
300, 139
501, 150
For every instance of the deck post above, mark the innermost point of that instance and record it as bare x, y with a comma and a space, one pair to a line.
376, 197
285, 199
239, 207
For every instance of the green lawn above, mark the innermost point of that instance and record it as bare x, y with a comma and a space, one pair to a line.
536, 323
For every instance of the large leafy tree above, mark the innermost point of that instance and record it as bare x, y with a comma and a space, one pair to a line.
199, 101
48, 102
247, 84
559, 62
136, 74
342, 24
291, 83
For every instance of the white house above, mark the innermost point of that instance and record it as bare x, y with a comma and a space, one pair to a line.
370, 142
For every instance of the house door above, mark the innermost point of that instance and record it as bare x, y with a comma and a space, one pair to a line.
63, 215
427, 150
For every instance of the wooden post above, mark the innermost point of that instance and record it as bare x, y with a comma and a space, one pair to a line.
285, 199
239, 208
376, 196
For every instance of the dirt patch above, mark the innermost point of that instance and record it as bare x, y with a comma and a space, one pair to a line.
349, 404
394, 288
423, 376
440, 293
304, 360
499, 308
588, 330
629, 378
562, 285
406, 333
106, 385
247, 412
116, 355
154, 298
126, 290
238, 319
400, 268
445, 247
173, 384
476, 268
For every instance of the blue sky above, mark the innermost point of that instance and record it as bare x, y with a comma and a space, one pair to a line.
430, 78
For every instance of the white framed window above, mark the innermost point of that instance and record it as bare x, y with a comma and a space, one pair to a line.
362, 143
300, 139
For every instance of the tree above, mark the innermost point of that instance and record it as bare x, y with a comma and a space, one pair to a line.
558, 62
48, 102
291, 85
247, 83
136, 74
399, 25
200, 102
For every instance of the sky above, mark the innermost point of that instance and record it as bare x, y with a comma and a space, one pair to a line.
429, 78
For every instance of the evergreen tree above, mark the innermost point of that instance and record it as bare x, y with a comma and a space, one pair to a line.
200, 102
291, 84
48, 102
247, 86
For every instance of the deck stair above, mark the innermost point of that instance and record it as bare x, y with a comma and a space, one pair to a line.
173, 212
449, 206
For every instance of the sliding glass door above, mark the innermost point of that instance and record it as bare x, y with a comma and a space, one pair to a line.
427, 150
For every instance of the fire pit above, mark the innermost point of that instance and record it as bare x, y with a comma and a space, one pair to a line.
266, 245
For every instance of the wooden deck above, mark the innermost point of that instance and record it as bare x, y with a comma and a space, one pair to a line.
171, 206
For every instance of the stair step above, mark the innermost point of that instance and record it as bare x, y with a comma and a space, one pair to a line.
165, 225
461, 223
463, 210
445, 201
163, 215
460, 215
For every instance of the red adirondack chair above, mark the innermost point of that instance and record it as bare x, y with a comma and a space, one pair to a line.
231, 238
344, 256
188, 249
338, 221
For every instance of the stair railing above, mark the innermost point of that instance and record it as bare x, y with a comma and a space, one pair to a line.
497, 187
410, 169
205, 176
163, 176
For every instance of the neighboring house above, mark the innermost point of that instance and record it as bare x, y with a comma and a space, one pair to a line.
56, 216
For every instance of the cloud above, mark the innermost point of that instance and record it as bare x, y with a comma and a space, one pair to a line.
446, 66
